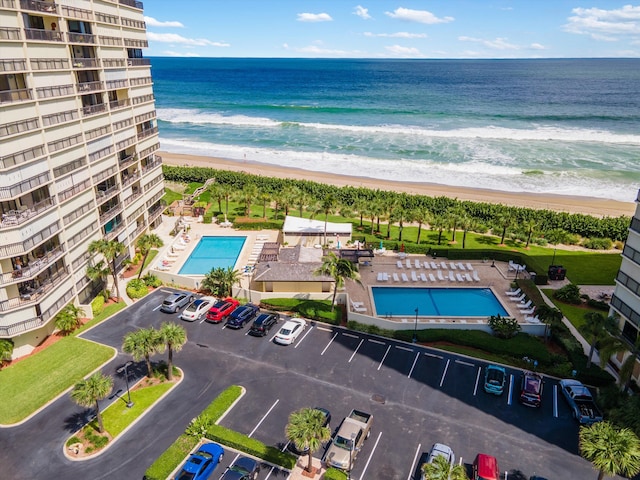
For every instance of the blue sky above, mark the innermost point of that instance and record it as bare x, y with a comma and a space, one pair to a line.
393, 29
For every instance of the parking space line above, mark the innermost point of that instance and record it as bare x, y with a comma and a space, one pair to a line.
445, 371
407, 349
414, 364
555, 401
509, 400
465, 363
157, 307
428, 354
370, 456
325, 329
350, 335
329, 344
385, 356
303, 337
376, 341
413, 464
356, 350
475, 389
262, 419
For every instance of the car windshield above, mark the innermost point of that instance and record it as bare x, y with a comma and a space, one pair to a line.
342, 442
285, 331
532, 385
186, 476
495, 377
191, 308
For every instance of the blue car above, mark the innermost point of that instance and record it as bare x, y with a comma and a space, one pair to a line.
201, 464
494, 379
242, 315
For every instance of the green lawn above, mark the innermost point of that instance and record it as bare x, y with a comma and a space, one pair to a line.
109, 310
170, 196
574, 313
34, 381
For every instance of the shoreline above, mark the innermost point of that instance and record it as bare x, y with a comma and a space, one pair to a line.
599, 207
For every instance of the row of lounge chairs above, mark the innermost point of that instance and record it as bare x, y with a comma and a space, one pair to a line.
525, 306
430, 277
516, 267
434, 265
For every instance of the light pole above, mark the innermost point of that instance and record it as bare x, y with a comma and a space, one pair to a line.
351, 447
126, 379
415, 328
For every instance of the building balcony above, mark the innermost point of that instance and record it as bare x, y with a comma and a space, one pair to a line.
7, 4
116, 84
86, 87
155, 213
13, 65
104, 195
17, 189
152, 165
14, 218
17, 95
147, 133
34, 267
129, 179
134, 196
132, 3
21, 327
125, 162
114, 232
39, 6
84, 38
43, 35
85, 62
635, 224
31, 295
109, 214
94, 109
138, 62
113, 62
137, 232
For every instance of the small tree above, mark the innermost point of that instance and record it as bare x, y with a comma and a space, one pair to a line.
568, 294
441, 469
504, 327
6, 349
173, 337
550, 316
612, 451
339, 269
307, 431
87, 393
145, 243
111, 250
142, 343
68, 319
596, 329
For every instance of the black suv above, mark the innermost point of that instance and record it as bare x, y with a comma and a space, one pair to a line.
241, 315
263, 323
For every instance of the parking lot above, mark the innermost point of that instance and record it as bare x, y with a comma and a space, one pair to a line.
417, 395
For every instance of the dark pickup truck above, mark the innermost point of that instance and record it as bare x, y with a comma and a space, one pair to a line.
582, 404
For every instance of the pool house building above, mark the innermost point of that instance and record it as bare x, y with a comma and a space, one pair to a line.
78, 163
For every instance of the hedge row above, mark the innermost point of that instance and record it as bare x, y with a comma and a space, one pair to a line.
312, 309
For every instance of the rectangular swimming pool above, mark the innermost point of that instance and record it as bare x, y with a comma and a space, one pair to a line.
213, 252
436, 302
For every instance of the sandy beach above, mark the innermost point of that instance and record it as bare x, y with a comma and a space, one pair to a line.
571, 204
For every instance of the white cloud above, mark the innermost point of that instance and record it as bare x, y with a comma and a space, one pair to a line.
171, 53
396, 35
362, 12
179, 39
152, 22
604, 24
497, 44
327, 52
537, 46
314, 17
404, 52
419, 16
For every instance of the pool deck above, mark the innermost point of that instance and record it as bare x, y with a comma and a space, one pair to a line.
495, 276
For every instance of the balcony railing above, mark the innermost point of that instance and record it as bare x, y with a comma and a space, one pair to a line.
34, 267
34, 295
138, 62
13, 65
155, 213
39, 6
7, 4
115, 231
18, 95
130, 199
55, 91
132, 3
31, 183
21, 327
85, 87
125, 162
14, 218
109, 214
85, 38
85, 62
115, 84
129, 179
104, 195
94, 109
151, 165
137, 232
43, 35
147, 133
113, 62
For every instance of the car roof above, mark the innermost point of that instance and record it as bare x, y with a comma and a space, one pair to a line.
212, 448
441, 449
173, 296
247, 463
290, 324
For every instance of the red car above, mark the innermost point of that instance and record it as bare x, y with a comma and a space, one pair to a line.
221, 310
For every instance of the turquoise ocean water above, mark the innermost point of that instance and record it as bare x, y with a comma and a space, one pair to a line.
550, 126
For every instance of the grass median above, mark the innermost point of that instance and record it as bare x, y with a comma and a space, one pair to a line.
31, 383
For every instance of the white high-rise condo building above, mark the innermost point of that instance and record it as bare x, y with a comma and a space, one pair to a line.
78, 137
626, 297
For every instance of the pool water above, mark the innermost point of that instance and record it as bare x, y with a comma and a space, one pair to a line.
436, 302
213, 252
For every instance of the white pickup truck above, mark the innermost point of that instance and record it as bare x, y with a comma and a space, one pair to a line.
348, 441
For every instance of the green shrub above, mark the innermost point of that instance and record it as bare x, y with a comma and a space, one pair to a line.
312, 309
97, 305
568, 294
222, 402
151, 280
171, 458
335, 474
72, 440
504, 327
597, 243
137, 288
598, 304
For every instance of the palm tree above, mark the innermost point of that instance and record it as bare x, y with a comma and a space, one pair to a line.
550, 316
87, 393
453, 217
441, 469
142, 343
421, 215
438, 223
505, 221
99, 271
230, 278
390, 210
110, 250
226, 191
6, 349
329, 204
265, 198
466, 224
361, 206
173, 336
68, 319
307, 431
530, 225
249, 192
401, 212
611, 450
597, 327
216, 192
339, 269
145, 243
628, 366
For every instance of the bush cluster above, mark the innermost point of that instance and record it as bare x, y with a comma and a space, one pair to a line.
136, 288
97, 305
568, 294
335, 474
597, 243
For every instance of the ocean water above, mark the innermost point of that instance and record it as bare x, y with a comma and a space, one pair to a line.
549, 126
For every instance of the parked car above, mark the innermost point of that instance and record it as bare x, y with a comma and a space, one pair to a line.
485, 467
175, 302
327, 419
581, 401
494, 379
242, 315
197, 309
440, 450
531, 391
221, 310
244, 468
348, 440
290, 331
263, 323
201, 464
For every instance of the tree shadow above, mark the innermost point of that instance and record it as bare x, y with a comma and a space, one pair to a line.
76, 421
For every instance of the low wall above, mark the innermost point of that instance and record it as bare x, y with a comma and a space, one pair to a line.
177, 280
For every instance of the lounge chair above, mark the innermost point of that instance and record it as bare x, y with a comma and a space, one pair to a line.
417, 263
452, 278
468, 277
357, 304
514, 293
395, 277
528, 312
512, 266
178, 246
434, 265
408, 262
385, 276
399, 264
359, 309
475, 276
172, 254
525, 306
414, 277
444, 265
469, 266
440, 276
452, 265
431, 277
380, 276
159, 266
461, 266
518, 299
404, 277
459, 277
423, 277
426, 265
532, 319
